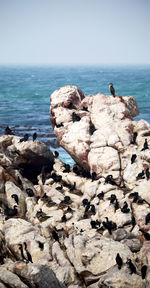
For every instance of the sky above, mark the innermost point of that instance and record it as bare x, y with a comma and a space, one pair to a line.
74, 32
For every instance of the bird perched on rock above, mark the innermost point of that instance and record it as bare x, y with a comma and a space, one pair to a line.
131, 266
25, 138
112, 90
119, 261
93, 176
147, 173
10, 212
133, 141
143, 271
8, 131
133, 157
147, 219
146, 234
34, 136
75, 117
15, 196
145, 145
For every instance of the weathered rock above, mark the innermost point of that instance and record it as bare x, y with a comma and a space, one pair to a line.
37, 275
30, 156
98, 135
120, 279
20, 233
93, 256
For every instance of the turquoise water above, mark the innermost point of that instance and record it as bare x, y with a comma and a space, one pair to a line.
25, 91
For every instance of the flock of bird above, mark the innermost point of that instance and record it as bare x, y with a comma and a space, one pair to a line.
89, 209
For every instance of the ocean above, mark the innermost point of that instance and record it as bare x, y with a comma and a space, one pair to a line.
25, 95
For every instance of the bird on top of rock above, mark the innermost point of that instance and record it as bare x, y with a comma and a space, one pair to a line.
112, 90
34, 136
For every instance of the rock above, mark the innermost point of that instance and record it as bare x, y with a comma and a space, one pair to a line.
94, 256
119, 278
100, 134
37, 275
10, 279
18, 232
29, 156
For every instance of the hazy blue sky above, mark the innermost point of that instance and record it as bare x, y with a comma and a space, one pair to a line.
74, 32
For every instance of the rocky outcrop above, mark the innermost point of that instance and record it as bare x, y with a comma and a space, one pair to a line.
96, 130
66, 227
27, 156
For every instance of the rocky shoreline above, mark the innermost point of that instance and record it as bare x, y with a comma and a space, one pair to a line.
81, 226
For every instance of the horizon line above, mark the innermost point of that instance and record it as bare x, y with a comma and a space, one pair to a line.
73, 65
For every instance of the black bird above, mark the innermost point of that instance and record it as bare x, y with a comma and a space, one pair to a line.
93, 210
19, 181
131, 266
116, 205
63, 218
109, 225
10, 212
41, 245
8, 131
56, 154
25, 138
134, 138
87, 207
59, 125
145, 145
133, 222
109, 180
94, 175
67, 168
55, 235
112, 90
101, 195
146, 235
85, 202
15, 196
75, 117
69, 209
67, 199
140, 201
135, 196
70, 105
34, 136
21, 251
30, 192
143, 271
119, 261
28, 254
43, 175
84, 108
56, 178
112, 198
92, 128
125, 208
140, 175
147, 219
76, 169
147, 173
93, 224
59, 188
133, 157
85, 173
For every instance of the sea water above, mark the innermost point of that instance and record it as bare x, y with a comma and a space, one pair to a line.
25, 95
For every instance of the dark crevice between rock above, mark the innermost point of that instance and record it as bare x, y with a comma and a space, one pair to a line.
26, 281
92, 128
31, 171
6, 285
